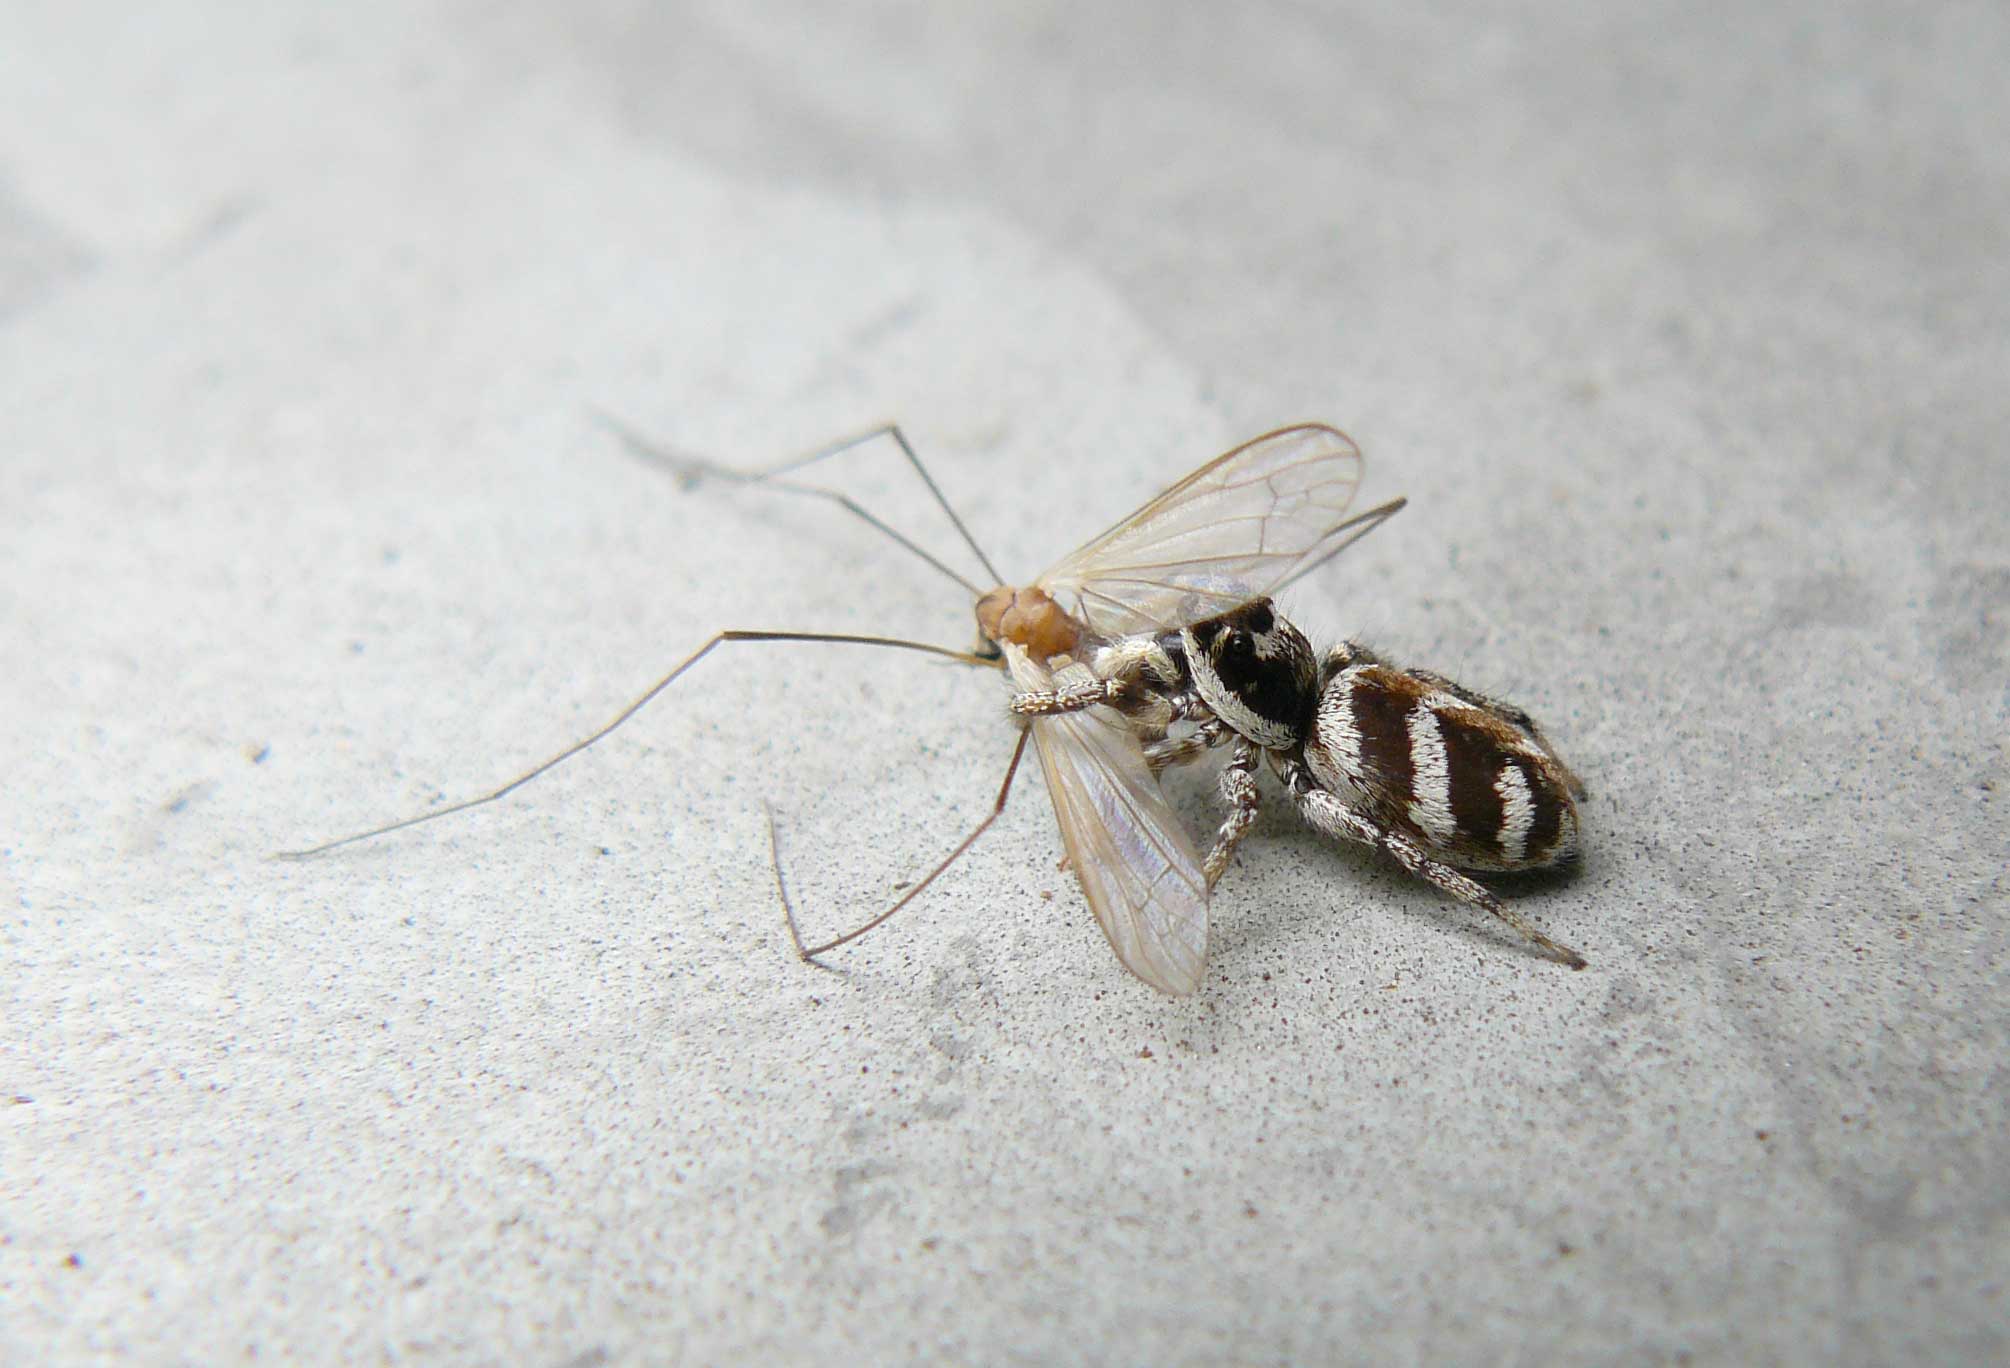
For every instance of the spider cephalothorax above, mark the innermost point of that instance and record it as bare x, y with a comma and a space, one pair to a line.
1256, 672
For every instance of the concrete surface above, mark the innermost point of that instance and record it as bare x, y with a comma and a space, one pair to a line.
1687, 330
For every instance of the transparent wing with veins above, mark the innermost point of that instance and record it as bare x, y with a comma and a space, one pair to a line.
1136, 864
1234, 530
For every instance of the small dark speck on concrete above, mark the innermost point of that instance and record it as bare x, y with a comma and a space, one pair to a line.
181, 801
75, 1261
257, 755
22, 1099
606, 851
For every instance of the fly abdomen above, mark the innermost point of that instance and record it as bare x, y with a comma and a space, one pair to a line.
1455, 772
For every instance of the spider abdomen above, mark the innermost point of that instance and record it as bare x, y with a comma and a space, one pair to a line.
1468, 779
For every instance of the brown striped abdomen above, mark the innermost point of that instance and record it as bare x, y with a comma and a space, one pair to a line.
1456, 775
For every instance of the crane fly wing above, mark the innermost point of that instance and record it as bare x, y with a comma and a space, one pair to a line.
1136, 864
1233, 530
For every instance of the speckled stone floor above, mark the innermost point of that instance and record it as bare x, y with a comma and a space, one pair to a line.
1685, 329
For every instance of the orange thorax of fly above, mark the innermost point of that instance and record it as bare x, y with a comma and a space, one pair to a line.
1028, 618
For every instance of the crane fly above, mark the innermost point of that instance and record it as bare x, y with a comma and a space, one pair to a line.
1236, 530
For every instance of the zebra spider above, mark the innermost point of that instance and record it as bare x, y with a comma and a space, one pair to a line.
1440, 777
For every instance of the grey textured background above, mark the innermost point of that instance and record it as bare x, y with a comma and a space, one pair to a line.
1686, 329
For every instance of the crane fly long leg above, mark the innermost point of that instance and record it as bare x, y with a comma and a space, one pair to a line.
840, 638
808, 954
692, 468
907, 448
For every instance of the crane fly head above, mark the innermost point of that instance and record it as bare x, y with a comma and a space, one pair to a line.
1029, 618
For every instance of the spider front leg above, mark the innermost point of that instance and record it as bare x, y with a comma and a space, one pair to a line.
1238, 786
1165, 754
1073, 698
1135, 675
1329, 814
